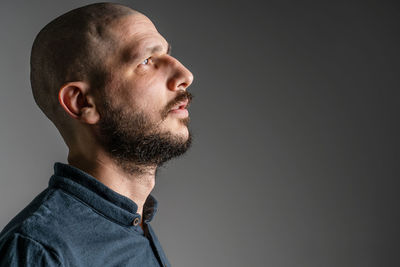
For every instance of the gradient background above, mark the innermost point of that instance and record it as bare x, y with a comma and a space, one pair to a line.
296, 112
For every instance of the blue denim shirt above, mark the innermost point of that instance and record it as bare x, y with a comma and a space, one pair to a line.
78, 221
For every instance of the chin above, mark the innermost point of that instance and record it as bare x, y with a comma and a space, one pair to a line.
178, 127
181, 133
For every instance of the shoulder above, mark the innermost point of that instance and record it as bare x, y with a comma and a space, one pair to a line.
34, 233
27, 221
20, 250
22, 242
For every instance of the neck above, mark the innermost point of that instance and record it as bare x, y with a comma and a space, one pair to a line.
135, 184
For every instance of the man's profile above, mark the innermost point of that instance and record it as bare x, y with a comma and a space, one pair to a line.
105, 77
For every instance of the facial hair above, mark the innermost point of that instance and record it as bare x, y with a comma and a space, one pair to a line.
134, 141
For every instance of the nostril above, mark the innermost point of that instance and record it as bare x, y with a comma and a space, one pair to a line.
177, 83
183, 86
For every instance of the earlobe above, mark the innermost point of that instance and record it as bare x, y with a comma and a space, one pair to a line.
75, 100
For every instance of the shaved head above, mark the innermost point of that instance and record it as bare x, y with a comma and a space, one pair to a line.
72, 47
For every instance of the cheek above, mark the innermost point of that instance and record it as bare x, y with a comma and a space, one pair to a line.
150, 92
146, 91
146, 100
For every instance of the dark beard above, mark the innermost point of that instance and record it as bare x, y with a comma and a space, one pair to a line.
135, 143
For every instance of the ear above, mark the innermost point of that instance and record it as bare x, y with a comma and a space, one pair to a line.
75, 99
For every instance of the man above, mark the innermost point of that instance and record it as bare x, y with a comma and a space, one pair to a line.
105, 77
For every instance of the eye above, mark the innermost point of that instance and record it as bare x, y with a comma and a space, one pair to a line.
146, 61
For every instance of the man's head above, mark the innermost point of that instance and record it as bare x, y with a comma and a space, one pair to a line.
103, 73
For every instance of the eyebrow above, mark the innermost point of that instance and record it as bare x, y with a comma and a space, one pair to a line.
159, 48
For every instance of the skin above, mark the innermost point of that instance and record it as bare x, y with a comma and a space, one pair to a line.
141, 79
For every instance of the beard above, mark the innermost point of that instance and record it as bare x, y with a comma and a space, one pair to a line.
135, 142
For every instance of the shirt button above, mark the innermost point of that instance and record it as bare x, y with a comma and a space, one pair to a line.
136, 221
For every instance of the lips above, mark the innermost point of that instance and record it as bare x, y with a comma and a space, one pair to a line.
181, 105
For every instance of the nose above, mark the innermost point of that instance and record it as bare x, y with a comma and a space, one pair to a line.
180, 77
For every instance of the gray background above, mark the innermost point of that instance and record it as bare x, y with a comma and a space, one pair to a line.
296, 112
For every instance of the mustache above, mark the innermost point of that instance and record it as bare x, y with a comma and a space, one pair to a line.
181, 96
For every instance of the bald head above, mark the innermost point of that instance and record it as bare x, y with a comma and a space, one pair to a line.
72, 47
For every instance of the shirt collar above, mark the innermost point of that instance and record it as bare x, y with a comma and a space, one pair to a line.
98, 196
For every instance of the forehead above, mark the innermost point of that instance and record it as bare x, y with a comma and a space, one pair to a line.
136, 33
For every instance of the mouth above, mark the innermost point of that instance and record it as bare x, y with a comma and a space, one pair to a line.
182, 105
180, 110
